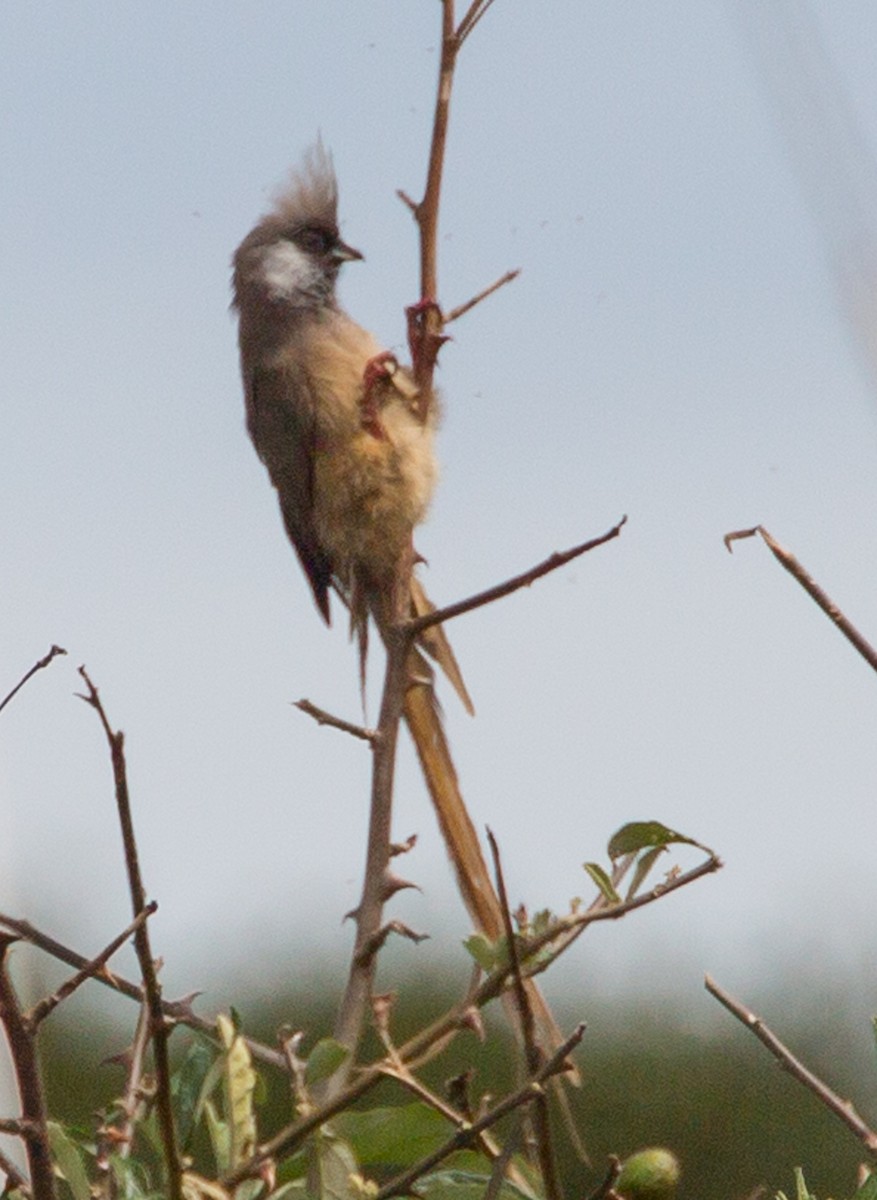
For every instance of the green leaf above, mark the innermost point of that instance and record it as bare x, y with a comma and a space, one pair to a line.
868, 1190
209, 1084
187, 1084
644, 864
68, 1160
463, 1185
394, 1136
240, 1084
132, 1181
802, 1192
250, 1189
482, 950
640, 835
220, 1137
603, 882
335, 1168
294, 1168
324, 1060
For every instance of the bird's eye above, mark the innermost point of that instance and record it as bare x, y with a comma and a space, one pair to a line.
316, 241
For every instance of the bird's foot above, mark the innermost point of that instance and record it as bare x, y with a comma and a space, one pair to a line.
378, 371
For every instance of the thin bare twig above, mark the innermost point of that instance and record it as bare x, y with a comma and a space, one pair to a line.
322, 717
179, 1011
14, 1178
532, 1051
397, 1069
476, 11
400, 1073
38, 666
834, 1103
463, 1138
15, 1126
605, 1188
33, 1126
787, 560
566, 929
552, 563
151, 986
133, 1098
502, 1165
42, 1008
462, 309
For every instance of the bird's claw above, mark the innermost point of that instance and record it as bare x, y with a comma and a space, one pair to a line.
377, 371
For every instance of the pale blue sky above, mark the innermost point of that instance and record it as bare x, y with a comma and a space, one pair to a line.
674, 350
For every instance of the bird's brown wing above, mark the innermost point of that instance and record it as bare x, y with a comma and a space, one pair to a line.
283, 433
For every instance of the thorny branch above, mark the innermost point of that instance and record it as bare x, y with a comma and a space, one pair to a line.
834, 1103
788, 561
419, 1047
32, 1127
531, 1090
42, 1008
369, 912
425, 337
552, 563
532, 1051
159, 1028
14, 1178
178, 1011
425, 320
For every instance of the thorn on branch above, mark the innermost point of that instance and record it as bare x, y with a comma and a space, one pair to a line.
382, 1010
374, 944
834, 1103
412, 205
394, 883
397, 848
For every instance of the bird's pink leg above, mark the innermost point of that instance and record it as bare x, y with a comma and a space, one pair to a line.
377, 371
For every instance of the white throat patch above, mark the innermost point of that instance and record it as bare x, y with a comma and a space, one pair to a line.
288, 271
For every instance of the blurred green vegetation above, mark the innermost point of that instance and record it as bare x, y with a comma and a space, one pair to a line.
715, 1097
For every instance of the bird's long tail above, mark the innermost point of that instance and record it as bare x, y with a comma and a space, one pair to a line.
423, 717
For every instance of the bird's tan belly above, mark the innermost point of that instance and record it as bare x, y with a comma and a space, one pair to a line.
369, 493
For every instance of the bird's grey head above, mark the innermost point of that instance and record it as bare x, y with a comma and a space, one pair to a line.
291, 259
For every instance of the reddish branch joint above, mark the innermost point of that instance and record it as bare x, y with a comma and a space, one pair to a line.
425, 339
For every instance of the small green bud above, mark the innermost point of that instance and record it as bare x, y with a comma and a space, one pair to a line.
650, 1174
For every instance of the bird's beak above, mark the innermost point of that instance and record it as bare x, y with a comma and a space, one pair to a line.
341, 252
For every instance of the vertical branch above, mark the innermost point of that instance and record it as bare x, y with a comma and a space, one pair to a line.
369, 913
425, 320
428, 209
533, 1053
22, 1047
152, 989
